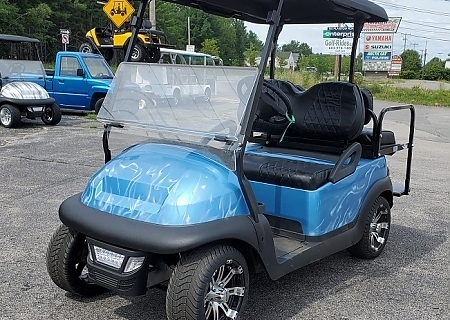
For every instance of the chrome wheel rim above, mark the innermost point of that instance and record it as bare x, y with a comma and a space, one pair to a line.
86, 49
135, 54
226, 291
5, 116
379, 228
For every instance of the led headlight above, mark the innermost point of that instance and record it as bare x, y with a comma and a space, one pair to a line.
134, 263
109, 258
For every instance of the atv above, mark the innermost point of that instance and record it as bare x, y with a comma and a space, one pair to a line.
19, 97
105, 40
266, 176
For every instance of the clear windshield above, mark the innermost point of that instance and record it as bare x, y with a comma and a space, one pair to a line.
23, 69
181, 104
98, 68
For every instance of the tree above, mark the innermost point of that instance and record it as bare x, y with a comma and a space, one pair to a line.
250, 55
434, 70
209, 46
411, 61
296, 47
252, 38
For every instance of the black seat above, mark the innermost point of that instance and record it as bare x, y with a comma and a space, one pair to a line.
366, 137
285, 172
331, 111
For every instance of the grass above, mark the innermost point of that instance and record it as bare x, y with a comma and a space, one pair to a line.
382, 90
91, 116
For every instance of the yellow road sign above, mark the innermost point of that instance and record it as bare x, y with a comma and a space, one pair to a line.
118, 11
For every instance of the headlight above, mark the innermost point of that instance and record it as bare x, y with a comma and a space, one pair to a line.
134, 263
109, 258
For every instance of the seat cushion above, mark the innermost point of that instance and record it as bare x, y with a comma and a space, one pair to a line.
285, 172
366, 137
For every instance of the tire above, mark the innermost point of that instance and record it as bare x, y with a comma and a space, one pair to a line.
66, 258
376, 231
208, 94
200, 277
98, 105
52, 115
153, 55
138, 53
86, 47
177, 97
107, 54
10, 116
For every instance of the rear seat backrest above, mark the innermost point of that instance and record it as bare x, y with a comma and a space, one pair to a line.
332, 111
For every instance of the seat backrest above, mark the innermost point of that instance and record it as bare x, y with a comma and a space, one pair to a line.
368, 103
331, 111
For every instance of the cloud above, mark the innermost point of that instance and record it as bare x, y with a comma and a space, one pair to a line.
423, 23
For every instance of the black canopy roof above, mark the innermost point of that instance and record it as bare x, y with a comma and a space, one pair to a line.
294, 11
13, 38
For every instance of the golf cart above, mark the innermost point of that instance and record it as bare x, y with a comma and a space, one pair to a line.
22, 92
105, 39
264, 177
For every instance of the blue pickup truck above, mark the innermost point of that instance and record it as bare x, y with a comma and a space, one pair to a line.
79, 81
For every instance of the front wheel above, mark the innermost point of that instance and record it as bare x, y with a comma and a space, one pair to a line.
66, 261
98, 105
208, 283
376, 231
138, 53
52, 115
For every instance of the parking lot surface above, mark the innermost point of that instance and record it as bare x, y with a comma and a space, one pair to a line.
42, 166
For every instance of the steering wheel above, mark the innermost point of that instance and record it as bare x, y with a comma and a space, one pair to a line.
269, 98
17, 65
99, 75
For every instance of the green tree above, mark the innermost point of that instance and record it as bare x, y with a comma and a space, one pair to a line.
209, 46
434, 69
250, 55
252, 38
411, 61
296, 47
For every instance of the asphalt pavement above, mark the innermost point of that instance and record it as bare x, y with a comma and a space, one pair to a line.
41, 166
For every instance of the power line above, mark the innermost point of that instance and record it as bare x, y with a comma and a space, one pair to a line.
429, 38
423, 30
426, 25
397, 6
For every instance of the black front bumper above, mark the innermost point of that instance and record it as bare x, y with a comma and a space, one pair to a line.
152, 238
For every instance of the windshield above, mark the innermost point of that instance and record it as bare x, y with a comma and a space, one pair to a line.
98, 68
22, 69
181, 104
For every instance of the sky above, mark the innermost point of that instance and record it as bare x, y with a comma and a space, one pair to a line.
425, 24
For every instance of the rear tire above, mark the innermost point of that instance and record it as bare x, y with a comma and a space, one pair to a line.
208, 283
153, 56
98, 105
376, 231
66, 258
52, 115
9, 116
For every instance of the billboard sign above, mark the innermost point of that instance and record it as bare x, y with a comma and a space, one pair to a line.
378, 47
337, 40
396, 65
378, 56
390, 26
378, 38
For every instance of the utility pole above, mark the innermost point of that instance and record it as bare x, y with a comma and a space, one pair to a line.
414, 45
404, 39
152, 13
424, 57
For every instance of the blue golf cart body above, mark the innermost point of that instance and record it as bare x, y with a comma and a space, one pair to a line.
264, 176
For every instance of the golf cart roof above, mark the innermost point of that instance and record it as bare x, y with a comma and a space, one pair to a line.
294, 11
14, 38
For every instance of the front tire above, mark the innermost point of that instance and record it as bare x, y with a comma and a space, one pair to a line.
9, 116
66, 259
52, 115
376, 231
208, 283
98, 105
138, 53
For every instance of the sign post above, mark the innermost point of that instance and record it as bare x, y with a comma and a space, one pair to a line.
118, 11
64, 37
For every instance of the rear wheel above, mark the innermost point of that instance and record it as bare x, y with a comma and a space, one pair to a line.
209, 283
154, 55
376, 231
52, 115
66, 262
9, 116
